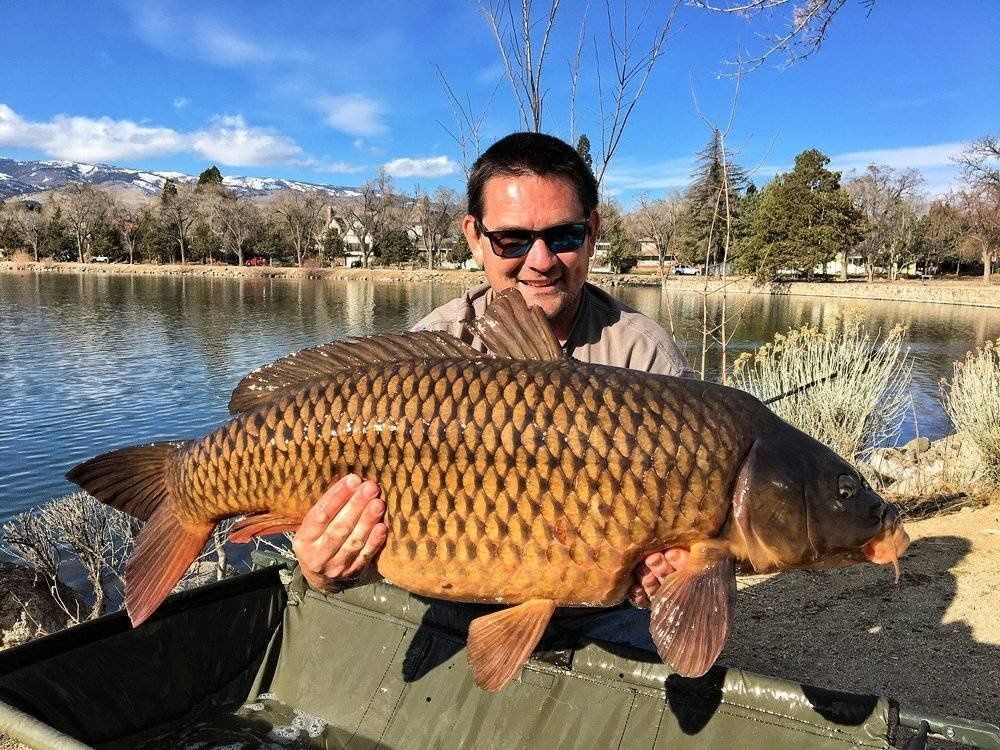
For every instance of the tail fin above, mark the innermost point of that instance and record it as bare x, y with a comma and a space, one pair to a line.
129, 479
133, 480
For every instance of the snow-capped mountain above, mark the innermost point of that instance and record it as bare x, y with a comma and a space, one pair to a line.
22, 177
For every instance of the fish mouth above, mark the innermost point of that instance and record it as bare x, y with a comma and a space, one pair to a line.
886, 548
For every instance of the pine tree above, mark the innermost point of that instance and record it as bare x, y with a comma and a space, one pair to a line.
211, 176
583, 149
169, 192
804, 219
713, 202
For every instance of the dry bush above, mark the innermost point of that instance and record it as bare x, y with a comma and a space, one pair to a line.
79, 533
860, 407
972, 400
21, 260
47, 262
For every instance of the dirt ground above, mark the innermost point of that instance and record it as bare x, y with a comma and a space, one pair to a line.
932, 642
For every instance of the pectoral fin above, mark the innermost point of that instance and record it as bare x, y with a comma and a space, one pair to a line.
500, 643
262, 524
693, 609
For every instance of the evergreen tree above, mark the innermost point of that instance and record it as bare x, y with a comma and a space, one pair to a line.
169, 192
396, 248
459, 253
804, 219
713, 204
583, 149
619, 249
211, 176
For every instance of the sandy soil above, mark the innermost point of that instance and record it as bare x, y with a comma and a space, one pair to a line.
932, 642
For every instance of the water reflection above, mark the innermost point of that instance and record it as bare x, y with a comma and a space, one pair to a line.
93, 362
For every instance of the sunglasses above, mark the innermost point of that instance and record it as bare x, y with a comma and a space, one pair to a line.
515, 243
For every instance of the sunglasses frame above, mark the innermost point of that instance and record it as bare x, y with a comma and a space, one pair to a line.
534, 235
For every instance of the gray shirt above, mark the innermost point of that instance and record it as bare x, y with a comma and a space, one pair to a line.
605, 332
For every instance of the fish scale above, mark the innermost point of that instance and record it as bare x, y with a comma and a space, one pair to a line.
503, 480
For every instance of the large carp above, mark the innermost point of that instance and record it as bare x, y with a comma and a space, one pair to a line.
521, 477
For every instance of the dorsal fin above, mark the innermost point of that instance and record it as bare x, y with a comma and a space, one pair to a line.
512, 330
318, 362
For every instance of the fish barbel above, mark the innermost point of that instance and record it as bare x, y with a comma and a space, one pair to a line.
520, 477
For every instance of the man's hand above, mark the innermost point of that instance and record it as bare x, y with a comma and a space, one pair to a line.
341, 533
651, 572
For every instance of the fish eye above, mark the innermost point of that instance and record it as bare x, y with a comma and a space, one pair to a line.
847, 486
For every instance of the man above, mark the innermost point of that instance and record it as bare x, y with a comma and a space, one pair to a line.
532, 224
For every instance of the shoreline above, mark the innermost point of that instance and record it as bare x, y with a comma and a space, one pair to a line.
936, 291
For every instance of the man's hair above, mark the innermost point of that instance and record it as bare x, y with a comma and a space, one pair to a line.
532, 154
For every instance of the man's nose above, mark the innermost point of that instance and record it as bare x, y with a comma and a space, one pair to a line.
539, 256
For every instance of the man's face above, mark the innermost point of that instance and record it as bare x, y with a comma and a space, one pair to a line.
552, 281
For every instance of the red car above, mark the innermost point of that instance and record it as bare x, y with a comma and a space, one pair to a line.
256, 261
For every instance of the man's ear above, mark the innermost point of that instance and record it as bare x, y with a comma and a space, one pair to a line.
595, 232
472, 238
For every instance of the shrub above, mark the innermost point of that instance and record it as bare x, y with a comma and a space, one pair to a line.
972, 400
21, 260
859, 408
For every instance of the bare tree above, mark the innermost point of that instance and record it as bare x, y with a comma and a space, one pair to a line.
32, 224
80, 528
981, 225
301, 214
83, 207
980, 202
631, 67
808, 25
886, 197
373, 213
658, 220
468, 123
179, 210
237, 222
436, 217
523, 39
127, 220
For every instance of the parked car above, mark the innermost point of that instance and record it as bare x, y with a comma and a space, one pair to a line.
682, 269
258, 261
100, 259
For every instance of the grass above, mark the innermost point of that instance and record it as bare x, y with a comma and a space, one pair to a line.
860, 408
972, 400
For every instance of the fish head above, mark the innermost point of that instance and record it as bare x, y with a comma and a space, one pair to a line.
798, 504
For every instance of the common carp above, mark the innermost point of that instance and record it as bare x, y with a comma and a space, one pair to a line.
518, 477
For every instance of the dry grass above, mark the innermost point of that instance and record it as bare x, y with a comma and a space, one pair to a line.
21, 260
861, 407
972, 400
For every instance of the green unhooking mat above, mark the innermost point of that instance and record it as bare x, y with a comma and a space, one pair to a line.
252, 663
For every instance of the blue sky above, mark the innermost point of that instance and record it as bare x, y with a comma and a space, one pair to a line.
330, 91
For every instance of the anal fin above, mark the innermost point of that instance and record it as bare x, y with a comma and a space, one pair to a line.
692, 610
262, 524
164, 550
500, 643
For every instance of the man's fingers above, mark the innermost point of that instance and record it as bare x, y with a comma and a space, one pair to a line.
372, 546
317, 518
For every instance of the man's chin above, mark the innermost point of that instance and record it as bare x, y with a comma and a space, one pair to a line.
551, 299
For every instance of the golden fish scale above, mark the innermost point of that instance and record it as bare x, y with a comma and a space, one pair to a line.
503, 480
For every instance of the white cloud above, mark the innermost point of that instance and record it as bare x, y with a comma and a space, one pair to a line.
87, 139
918, 157
334, 167
231, 141
361, 145
434, 166
207, 37
627, 175
228, 140
181, 102
353, 114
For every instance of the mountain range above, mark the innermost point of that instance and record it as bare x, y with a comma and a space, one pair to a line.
31, 177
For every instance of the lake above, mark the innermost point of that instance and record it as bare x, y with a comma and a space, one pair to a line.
91, 362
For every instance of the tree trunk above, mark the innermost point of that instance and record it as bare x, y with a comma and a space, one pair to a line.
843, 267
987, 266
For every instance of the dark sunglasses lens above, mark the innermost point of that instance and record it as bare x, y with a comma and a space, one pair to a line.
566, 238
512, 244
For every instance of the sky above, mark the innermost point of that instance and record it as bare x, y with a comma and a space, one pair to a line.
329, 92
